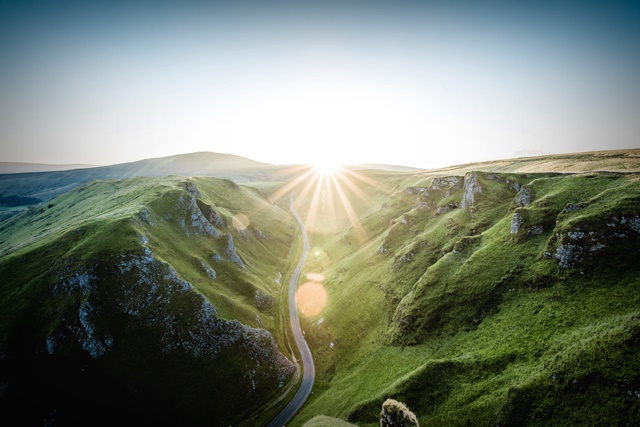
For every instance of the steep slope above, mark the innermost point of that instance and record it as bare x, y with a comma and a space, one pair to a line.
485, 298
149, 299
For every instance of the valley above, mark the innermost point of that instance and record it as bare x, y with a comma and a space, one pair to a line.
500, 293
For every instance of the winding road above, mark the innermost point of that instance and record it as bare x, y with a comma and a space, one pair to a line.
308, 368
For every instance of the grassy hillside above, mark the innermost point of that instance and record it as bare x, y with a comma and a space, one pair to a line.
627, 160
149, 299
483, 298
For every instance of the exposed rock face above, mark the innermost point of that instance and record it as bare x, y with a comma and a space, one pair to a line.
211, 215
230, 251
415, 190
441, 187
156, 290
211, 273
396, 414
192, 189
571, 207
187, 213
446, 208
524, 196
512, 184
144, 216
471, 187
148, 310
447, 183
516, 222
582, 242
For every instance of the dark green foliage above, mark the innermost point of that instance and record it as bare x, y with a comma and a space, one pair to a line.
15, 200
106, 306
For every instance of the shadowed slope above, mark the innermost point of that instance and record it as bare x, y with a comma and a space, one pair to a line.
144, 299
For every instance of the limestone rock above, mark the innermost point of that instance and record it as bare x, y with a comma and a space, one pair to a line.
396, 414
470, 188
231, 253
582, 242
192, 189
516, 222
441, 187
524, 196
446, 208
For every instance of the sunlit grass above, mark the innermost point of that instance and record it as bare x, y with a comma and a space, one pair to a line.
501, 320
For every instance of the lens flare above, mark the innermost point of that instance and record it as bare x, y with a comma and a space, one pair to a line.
312, 296
240, 222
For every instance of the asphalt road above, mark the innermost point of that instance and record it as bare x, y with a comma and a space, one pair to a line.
308, 368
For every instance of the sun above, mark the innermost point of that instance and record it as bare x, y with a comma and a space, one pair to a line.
326, 166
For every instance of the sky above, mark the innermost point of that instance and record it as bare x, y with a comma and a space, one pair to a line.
414, 83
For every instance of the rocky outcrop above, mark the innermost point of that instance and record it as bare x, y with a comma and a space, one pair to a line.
441, 187
211, 215
230, 251
396, 414
582, 242
264, 301
509, 181
516, 222
415, 190
211, 273
440, 210
188, 215
448, 184
524, 196
470, 189
152, 293
134, 308
192, 189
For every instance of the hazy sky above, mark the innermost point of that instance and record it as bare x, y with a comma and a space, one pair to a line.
400, 82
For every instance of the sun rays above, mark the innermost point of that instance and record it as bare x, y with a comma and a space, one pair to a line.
331, 196
330, 200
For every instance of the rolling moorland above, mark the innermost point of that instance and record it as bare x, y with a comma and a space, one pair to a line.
495, 293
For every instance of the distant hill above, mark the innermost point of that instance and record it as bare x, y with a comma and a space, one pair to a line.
19, 167
381, 167
46, 185
626, 160
39, 187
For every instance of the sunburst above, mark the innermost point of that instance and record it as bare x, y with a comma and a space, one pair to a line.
331, 193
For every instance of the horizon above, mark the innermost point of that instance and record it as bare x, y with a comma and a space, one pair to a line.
409, 83
328, 166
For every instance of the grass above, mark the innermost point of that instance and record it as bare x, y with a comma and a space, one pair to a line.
480, 327
446, 311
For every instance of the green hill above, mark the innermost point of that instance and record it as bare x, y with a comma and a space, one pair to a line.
45, 185
153, 300
483, 298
